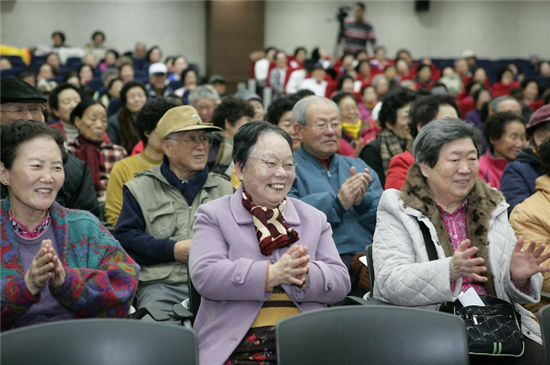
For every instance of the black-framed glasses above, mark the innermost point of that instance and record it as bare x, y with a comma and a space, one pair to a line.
274, 163
193, 142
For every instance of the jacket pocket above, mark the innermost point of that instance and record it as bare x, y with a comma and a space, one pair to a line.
162, 220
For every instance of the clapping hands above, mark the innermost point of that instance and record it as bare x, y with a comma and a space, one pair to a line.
354, 188
45, 266
291, 269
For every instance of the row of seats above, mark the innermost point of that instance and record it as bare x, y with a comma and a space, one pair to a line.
342, 335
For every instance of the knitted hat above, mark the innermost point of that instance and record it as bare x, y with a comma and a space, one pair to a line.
13, 90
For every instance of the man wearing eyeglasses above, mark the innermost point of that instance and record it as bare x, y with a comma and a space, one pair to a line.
343, 188
155, 225
22, 101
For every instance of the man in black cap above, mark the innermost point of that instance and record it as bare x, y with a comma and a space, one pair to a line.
21, 101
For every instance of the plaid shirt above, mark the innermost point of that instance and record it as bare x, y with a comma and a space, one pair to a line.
112, 153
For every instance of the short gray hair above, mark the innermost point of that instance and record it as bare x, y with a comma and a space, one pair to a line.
299, 111
493, 104
433, 136
376, 79
203, 92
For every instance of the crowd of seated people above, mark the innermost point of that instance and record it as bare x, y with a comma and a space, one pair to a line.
157, 142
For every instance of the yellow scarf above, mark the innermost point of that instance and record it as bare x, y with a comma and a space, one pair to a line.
353, 129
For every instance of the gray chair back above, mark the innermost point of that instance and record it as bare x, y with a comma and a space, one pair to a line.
100, 341
372, 335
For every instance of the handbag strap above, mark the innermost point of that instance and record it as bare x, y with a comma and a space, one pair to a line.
430, 247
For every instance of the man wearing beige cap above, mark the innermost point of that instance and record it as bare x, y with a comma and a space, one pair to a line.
155, 225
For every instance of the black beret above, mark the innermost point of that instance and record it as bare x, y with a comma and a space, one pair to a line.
13, 90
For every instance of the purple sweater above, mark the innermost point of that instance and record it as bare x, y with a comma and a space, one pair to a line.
229, 271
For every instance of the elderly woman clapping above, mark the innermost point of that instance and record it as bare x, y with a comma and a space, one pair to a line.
258, 256
57, 263
468, 224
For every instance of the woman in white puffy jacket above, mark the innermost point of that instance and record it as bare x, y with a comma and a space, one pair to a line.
468, 223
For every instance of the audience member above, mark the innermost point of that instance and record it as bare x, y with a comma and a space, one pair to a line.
279, 74
155, 225
229, 116
57, 263
381, 85
158, 81
481, 96
355, 132
46, 72
247, 242
261, 65
395, 136
63, 99
369, 99
530, 218
505, 133
461, 216
189, 80
255, 100
127, 72
504, 104
58, 39
518, 178
316, 82
52, 59
140, 50
151, 156
121, 129
154, 55
90, 118
113, 91
423, 111
21, 101
218, 83
180, 63
345, 189
85, 74
279, 113
27, 75
204, 99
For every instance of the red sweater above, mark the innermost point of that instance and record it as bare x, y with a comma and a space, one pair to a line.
398, 169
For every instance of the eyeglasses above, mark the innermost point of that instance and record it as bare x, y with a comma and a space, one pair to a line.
19, 112
273, 164
193, 142
322, 127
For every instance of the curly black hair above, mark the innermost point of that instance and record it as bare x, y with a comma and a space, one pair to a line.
280, 106
495, 126
425, 109
150, 114
394, 100
231, 109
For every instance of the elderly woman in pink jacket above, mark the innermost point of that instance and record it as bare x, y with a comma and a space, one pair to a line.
258, 256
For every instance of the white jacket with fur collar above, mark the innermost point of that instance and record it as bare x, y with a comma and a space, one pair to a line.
405, 276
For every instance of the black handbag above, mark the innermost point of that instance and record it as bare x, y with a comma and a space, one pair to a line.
493, 329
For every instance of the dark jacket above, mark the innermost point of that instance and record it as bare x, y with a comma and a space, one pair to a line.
518, 178
78, 190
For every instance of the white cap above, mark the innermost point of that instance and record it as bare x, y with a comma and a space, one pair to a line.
468, 53
158, 68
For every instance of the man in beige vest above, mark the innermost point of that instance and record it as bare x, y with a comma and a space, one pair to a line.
155, 225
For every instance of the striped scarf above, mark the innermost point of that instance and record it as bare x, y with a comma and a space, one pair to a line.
390, 146
271, 230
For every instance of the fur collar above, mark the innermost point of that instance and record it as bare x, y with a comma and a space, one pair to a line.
482, 201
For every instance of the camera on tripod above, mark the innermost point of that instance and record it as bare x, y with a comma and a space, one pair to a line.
342, 13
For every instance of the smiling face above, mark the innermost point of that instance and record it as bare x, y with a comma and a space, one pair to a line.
320, 143
511, 142
185, 161
453, 176
267, 187
34, 178
93, 123
127, 73
135, 99
348, 110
